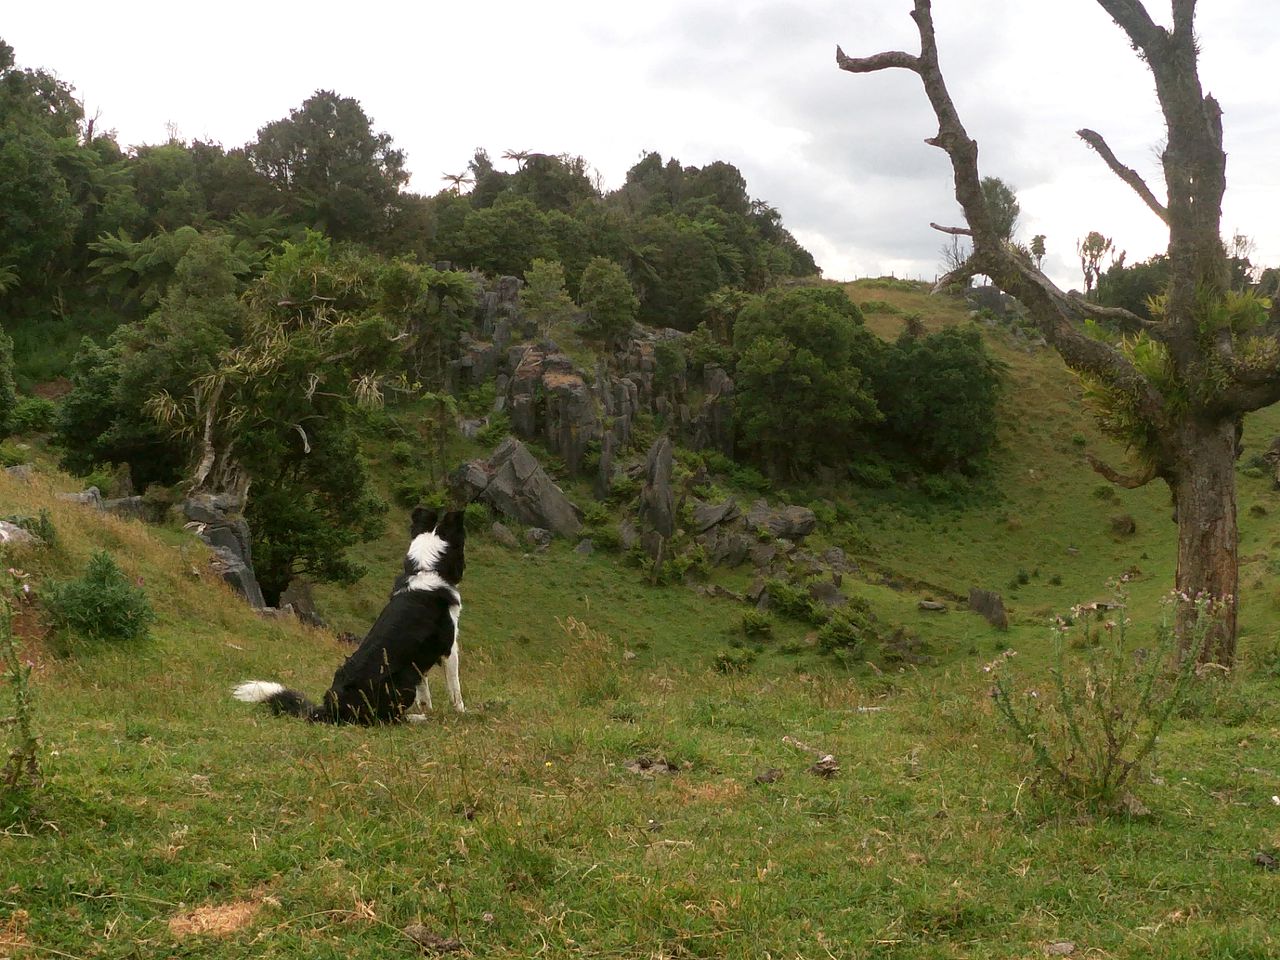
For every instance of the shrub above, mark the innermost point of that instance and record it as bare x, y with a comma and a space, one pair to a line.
495, 431
476, 518
757, 624
1092, 733
102, 606
32, 415
727, 662
8, 394
10, 455
403, 453
606, 295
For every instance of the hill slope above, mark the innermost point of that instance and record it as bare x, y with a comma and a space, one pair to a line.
176, 821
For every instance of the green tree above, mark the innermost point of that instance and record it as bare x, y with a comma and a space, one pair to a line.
544, 298
331, 166
938, 393
608, 299
802, 396
8, 392
1038, 249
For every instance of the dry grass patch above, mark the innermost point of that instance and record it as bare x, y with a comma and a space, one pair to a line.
216, 920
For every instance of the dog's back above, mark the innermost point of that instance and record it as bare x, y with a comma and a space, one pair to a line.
415, 632
417, 629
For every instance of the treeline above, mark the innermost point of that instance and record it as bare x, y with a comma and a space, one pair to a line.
77, 204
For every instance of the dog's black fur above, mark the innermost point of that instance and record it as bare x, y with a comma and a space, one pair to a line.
415, 631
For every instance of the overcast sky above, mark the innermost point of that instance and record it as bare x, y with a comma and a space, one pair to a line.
752, 83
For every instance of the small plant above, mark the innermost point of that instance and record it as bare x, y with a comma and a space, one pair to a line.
495, 431
1092, 734
102, 606
476, 518
740, 662
757, 624
404, 454
21, 769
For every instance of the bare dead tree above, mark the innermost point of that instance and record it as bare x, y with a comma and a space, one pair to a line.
1180, 399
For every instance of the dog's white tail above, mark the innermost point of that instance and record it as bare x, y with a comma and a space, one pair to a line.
257, 691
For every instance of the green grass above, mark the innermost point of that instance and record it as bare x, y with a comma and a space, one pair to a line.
519, 828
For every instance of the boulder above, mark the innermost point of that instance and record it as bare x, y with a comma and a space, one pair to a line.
991, 605
504, 536
538, 537
657, 500
827, 593
12, 534
932, 605
788, 523
22, 472
514, 483
90, 497
300, 596
585, 548
134, 508
706, 515
239, 574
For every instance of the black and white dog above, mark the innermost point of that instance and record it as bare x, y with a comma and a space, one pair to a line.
385, 680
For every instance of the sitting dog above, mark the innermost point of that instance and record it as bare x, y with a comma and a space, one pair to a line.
418, 628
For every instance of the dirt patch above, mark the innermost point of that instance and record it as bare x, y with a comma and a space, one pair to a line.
13, 934
721, 792
553, 380
216, 920
52, 389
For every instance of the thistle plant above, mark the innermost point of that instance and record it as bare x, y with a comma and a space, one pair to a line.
1093, 733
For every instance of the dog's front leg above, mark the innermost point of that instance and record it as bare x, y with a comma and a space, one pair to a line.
421, 702
451, 678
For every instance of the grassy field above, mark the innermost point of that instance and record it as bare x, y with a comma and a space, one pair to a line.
176, 822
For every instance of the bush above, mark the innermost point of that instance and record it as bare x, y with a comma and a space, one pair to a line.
32, 415
103, 606
476, 518
1092, 733
757, 624
495, 431
8, 394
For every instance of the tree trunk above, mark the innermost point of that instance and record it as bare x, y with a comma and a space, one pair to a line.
1205, 494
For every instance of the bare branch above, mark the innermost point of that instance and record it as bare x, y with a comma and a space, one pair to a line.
1126, 318
1134, 20
961, 274
1127, 174
881, 61
954, 231
1184, 15
1120, 479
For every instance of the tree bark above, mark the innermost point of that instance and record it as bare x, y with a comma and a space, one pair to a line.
1204, 489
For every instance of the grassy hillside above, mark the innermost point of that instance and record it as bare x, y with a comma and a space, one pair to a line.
177, 822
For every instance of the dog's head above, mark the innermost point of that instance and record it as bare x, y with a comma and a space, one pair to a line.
436, 544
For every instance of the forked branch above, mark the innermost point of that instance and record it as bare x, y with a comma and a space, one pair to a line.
1055, 313
1127, 174
1129, 482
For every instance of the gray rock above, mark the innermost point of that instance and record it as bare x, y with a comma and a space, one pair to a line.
240, 575
11, 533
706, 515
504, 536
585, 548
657, 500
788, 523
90, 497
827, 594
726, 548
763, 554
301, 598
538, 537
22, 472
932, 605
134, 508
514, 483
628, 535
991, 605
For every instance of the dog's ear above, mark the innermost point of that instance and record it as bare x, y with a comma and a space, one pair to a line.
423, 520
452, 527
